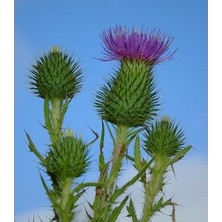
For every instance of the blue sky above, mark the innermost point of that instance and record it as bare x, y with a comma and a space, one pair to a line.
75, 27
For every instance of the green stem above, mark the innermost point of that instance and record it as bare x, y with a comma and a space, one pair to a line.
55, 120
64, 211
119, 150
56, 112
66, 191
153, 187
62, 190
102, 206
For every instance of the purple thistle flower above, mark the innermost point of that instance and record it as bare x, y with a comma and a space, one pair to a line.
123, 44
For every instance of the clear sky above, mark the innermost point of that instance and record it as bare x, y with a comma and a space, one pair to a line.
75, 27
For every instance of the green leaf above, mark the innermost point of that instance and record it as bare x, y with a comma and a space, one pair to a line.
132, 134
110, 132
101, 162
137, 156
161, 204
121, 190
101, 155
158, 205
132, 212
63, 111
117, 210
34, 150
88, 215
70, 205
102, 137
48, 191
84, 185
90, 205
130, 157
103, 172
52, 197
48, 124
96, 137
180, 154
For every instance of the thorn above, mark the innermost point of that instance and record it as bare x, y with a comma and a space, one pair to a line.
96, 137
173, 171
173, 213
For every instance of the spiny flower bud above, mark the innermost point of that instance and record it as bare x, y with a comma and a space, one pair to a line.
69, 159
129, 98
163, 137
55, 75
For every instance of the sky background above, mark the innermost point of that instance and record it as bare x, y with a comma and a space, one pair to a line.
75, 27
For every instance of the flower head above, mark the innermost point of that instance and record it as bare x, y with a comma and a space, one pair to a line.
68, 159
164, 137
56, 75
124, 44
130, 96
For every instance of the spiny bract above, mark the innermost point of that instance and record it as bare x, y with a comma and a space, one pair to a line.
55, 75
164, 137
129, 98
69, 159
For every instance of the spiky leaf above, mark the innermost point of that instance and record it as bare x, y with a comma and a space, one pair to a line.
132, 212
117, 210
129, 98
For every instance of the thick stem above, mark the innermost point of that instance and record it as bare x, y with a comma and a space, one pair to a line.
56, 112
62, 190
55, 120
102, 206
66, 191
119, 150
65, 213
153, 187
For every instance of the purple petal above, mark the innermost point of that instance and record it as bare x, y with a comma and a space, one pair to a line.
124, 44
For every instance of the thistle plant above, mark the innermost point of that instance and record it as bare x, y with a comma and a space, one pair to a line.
165, 143
56, 78
128, 105
129, 101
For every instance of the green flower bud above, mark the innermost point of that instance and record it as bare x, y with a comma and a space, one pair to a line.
55, 75
163, 137
69, 159
129, 98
